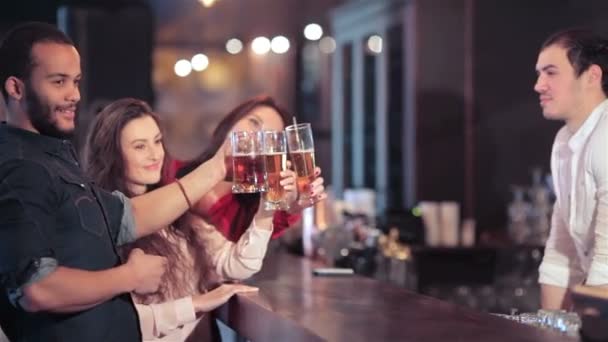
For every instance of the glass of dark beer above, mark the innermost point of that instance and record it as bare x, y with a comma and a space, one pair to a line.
275, 158
302, 154
248, 168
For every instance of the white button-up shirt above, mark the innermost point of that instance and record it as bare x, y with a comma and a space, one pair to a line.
577, 248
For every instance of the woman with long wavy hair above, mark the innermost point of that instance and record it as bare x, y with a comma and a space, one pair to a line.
124, 151
232, 213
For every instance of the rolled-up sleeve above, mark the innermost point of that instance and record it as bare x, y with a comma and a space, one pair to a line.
127, 232
120, 214
560, 265
28, 202
598, 271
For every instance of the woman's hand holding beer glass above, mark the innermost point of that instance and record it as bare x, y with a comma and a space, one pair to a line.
288, 182
317, 194
290, 191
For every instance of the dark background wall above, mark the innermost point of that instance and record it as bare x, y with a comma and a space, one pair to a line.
439, 99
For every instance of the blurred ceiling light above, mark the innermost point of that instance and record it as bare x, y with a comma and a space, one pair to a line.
279, 44
374, 43
234, 46
199, 62
183, 68
207, 3
260, 45
313, 32
327, 45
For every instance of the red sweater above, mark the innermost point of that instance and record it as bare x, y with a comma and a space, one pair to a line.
237, 211
232, 215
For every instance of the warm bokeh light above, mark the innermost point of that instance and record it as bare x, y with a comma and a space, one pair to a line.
327, 44
260, 45
313, 32
207, 3
374, 43
279, 44
199, 62
234, 46
182, 68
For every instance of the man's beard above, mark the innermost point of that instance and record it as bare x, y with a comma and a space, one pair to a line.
41, 115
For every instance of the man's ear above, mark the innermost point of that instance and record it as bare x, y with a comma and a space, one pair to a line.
595, 74
15, 88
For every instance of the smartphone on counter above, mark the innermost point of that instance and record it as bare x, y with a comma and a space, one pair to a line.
333, 271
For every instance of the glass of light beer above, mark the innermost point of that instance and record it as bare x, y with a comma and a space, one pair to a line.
302, 154
275, 158
248, 168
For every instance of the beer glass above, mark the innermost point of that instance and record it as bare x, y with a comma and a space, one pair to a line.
275, 159
248, 169
302, 153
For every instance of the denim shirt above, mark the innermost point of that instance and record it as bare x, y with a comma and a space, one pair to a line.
51, 215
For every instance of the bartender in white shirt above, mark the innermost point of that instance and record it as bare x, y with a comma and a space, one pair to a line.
572, 82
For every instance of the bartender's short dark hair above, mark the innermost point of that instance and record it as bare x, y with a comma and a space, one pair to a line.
583, 48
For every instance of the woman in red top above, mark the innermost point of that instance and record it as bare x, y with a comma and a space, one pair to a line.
230, 213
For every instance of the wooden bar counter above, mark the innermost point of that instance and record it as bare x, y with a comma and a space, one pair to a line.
295, 305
